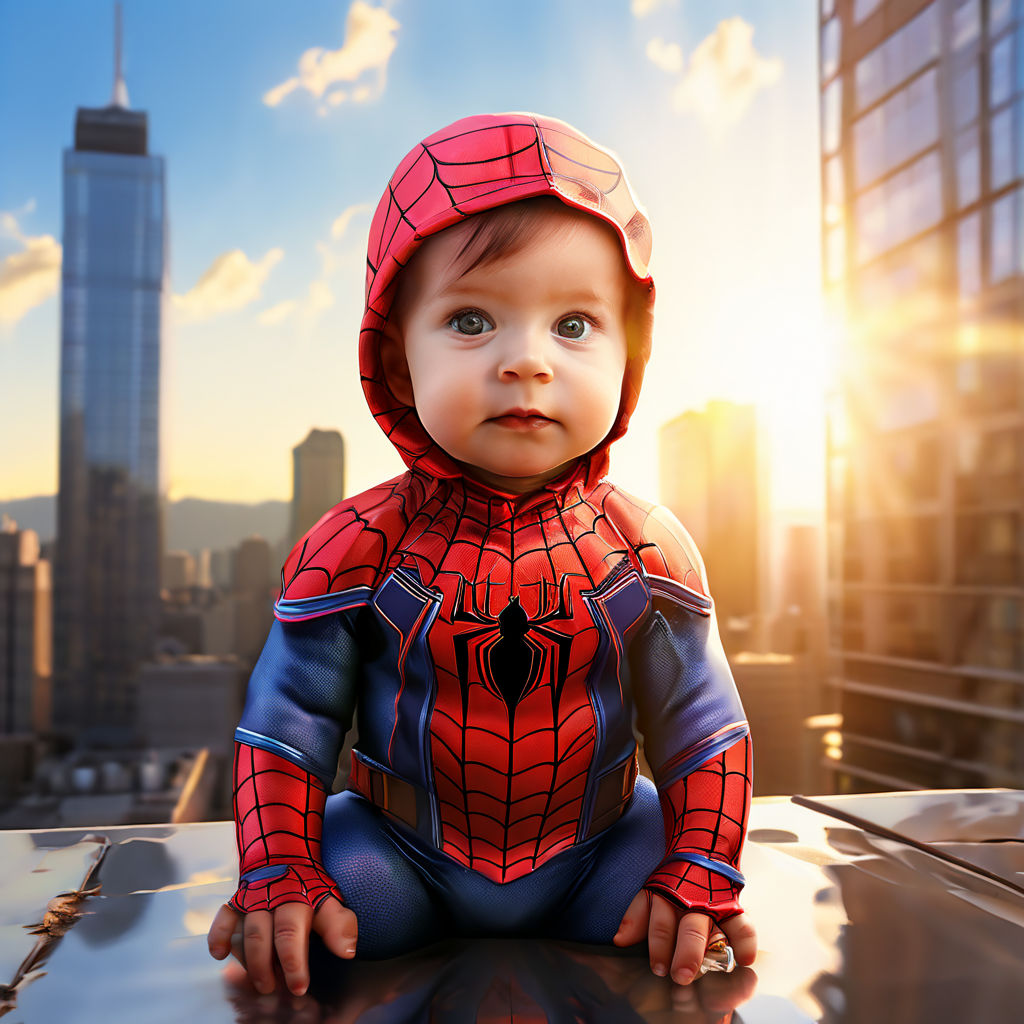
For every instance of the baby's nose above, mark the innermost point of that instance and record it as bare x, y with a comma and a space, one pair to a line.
525, 354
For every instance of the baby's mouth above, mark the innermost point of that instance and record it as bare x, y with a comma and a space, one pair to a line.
522, 419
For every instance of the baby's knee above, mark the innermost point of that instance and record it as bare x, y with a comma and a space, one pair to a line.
394, 910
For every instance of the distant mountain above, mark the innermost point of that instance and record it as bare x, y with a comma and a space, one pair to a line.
194, 523
191, 524
39, 514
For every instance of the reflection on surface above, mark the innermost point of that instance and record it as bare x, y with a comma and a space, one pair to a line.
491, 980
853, 928
48, 898
982, 829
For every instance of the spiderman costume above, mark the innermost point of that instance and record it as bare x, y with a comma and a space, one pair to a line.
495, 649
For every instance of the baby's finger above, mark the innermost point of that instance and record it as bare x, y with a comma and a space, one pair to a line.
219, 936
258, 936
291, 943
691, 941
741, 935
633, 926
661, 934
338, 927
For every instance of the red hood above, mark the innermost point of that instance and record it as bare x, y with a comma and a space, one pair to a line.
477, 164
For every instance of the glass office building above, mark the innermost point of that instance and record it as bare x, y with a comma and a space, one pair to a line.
106, 586
922, 170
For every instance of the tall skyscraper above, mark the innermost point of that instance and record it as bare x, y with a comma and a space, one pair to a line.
113, 288
922, 168
711, 478
318, 479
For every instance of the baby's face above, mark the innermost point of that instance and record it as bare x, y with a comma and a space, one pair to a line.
516, 367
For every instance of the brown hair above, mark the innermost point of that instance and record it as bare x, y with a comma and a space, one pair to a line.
495, 234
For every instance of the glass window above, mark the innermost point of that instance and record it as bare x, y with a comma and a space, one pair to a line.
921, 42
835, 197
968, 254
1000, 85
921, 126
862, 8
1001, 149
832, 101
830, 40
904, 205
906, 402
1000, 12
869, 78
871, 233
1003, 242
924, 191
1018, 137
905, 124
968, 168
869, 146
835, 253
902, 55
965, 95
966, 22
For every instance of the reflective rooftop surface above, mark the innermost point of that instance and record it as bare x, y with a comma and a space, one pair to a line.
853, 926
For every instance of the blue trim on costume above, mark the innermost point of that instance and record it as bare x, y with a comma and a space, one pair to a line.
725, 870
701, 752
323, 604
662, 586
615, 607
297, 757
264, 873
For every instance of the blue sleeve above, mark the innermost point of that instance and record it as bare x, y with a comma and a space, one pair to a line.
688, 708
302, 693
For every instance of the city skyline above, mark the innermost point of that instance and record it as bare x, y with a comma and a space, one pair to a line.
270, 187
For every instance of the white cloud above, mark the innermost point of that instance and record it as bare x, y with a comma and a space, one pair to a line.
342, 221
272, 97
320, 298
319, 295
369, 42
31, 275
231, 282
328, 261
307, 309
276, 314
667, 56
724, 74
641, 8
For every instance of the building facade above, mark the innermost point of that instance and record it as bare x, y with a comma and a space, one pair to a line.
113, 290
25, 633
711, 478
922, 166
318, 479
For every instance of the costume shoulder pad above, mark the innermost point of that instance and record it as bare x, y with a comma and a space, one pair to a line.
337, 564
666, 551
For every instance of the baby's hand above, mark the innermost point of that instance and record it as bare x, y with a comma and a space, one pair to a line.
284, 932
678, 939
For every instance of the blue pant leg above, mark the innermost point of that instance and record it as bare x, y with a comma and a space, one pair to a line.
395, 911
624, 857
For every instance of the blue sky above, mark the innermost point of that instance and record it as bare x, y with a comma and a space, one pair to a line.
711, 105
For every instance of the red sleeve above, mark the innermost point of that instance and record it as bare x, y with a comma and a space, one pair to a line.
705, 816
279, 815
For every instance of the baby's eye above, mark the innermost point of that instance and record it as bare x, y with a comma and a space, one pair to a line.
470, 321
575, 327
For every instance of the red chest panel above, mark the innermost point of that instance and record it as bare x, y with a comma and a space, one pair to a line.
513, 728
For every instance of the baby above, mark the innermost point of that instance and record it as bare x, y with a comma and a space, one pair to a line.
500, 615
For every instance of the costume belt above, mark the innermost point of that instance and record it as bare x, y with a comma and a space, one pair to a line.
407, 803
